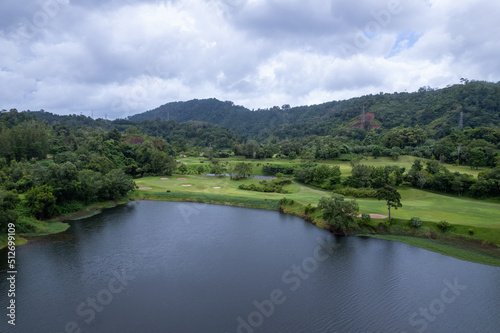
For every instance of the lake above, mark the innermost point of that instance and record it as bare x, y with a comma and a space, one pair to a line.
185, 267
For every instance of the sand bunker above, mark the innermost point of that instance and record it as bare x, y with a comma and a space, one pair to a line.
186, 185
164, 179
376, 216
181, 178
217, 187
145, 188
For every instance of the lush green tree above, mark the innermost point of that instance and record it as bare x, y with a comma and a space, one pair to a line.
391, 196
377, 151
116, 184
41, 201
8, 203
481, 188
338, 212
379, 177
477, 158
361, 176
402, 137
422, 177
251, 149
99, 163
433, 167
240, 170
326, 177
63, 179
395, 153
162, 164
182, 168
305, 175
218, 169
90, 186
497, 161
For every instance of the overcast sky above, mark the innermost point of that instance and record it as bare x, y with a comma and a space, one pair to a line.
121, 57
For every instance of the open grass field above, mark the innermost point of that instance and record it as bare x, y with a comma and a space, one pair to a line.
436, 207
226, 187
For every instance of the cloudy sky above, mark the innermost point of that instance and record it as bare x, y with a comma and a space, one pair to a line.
121, 57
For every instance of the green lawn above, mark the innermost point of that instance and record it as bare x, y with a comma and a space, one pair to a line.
435, 208
203, 184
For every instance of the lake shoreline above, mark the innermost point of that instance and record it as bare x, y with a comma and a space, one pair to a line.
449, 244
87, 211
467, 250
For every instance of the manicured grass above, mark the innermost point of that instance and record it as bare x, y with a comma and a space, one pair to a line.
435, 207
446, 248
205, 185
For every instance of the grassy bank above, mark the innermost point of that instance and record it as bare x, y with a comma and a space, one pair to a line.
454, 248
42, 228
475, 225
56, 225
463, 214
89, 210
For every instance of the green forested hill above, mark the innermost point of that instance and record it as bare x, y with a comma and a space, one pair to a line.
436, 110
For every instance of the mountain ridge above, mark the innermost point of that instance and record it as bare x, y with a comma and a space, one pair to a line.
437, 110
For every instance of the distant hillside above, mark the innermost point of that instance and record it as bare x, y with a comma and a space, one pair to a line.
182, 135
436, 110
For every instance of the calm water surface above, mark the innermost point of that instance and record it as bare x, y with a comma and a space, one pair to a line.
177, 267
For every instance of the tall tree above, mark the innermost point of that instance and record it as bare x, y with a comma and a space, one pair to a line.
240, 170
338, 212
391, 197
8, 203
41, 201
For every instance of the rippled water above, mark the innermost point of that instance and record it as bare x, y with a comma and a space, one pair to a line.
178, 267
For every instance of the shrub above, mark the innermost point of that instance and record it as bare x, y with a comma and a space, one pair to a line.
443, 226
366, 218
357, 192
415, 222
405, 185
309, 209
284, 201
274, 169
276, 185
27, 225
471, 232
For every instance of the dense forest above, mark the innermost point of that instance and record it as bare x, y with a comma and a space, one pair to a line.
51, 164
437, 110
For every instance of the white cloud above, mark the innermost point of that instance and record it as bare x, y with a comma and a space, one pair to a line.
124, 57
